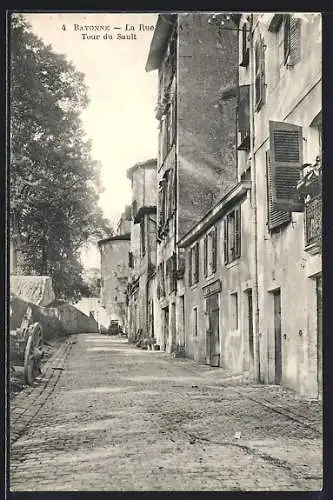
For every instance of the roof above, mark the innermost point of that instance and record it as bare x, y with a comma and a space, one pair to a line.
151, 163
215, 213
163, 28
117, 237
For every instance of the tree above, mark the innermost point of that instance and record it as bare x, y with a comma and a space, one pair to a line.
54, 182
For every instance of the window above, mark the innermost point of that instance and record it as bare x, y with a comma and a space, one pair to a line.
243, 117
143, 237
285, 161
286, 37
171, 270
130, 260
275, 218
195, 321
194, 264
292, 40
234, 311
245, 46
210, 252
160, 281
259, 73
288, 30
232, 236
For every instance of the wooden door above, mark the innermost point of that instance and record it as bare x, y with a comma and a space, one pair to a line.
250, 326
213, 344
166, 328
277, 335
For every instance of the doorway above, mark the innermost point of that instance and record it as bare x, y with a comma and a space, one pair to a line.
319, 296
277, 336
213, 330
166, 328
250, 327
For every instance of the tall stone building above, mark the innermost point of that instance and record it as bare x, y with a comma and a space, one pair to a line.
197, 158
114, 274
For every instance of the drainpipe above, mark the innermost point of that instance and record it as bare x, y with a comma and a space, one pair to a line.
254, 201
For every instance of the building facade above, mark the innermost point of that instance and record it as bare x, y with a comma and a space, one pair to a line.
284, 73
218, 284
197, 159
141, 289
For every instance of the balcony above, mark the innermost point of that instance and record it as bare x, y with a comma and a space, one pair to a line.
313, 225
309, 189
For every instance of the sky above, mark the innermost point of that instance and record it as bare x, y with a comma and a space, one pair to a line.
120, 117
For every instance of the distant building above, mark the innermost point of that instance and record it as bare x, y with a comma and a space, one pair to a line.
197, 157
141, 291
114, 275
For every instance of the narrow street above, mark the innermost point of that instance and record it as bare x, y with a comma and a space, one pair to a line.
105, 415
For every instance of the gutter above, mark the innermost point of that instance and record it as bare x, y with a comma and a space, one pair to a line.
254, 203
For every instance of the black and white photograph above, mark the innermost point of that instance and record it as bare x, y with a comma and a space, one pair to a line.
165, 251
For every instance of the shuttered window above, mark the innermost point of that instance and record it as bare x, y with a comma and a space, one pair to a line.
291, 37
210, 252
225, 241
130, 259
232, 235
285, 161
206, 256
214, 250
194, 264
286, 37
259, 73
245, 46
275, 218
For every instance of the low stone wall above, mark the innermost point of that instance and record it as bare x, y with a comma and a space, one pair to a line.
35, 289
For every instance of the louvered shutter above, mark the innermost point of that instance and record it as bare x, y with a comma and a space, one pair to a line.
286, 37
286, 159
237, 232
214, 250
225, 245
190, 253
206, 256
295, 41
260, 73
275, 218
197, 262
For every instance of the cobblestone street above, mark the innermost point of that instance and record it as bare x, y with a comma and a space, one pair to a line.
108, 416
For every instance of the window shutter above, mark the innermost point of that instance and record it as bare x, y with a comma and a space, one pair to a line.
275, 218
238, 232
130, 259
260, 73
245, 48
206, 256
286, 37
286, 159
225, 246
214, 250
197, 262
190, 266
295, 41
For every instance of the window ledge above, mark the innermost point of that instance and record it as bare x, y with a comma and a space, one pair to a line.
313, 248
233, 263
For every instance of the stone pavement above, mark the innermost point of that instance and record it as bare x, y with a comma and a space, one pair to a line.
107, 416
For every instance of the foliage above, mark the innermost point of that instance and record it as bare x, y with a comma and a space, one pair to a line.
54, 182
